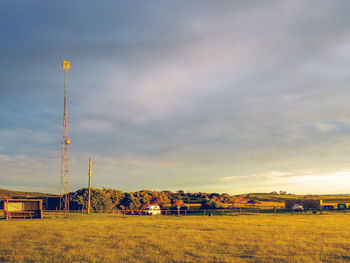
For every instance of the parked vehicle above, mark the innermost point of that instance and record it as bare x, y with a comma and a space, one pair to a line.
297, 208
342, 206
152, 210
327, 207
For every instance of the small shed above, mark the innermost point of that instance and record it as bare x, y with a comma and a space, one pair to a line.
23, 208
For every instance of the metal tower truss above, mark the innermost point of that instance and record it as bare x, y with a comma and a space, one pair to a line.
64, 189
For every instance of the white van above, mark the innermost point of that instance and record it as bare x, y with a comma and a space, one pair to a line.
152, 210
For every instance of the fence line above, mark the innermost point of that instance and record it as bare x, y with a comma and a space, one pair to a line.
205, 212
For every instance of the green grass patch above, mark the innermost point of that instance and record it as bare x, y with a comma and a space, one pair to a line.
111, 238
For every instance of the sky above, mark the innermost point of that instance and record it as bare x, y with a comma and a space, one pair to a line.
202, 96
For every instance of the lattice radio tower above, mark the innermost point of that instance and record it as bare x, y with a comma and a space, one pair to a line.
64, 190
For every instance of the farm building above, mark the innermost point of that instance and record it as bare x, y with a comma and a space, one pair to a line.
306, 203
49, 202
23, 208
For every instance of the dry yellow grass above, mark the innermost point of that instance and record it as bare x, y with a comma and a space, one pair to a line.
110, 238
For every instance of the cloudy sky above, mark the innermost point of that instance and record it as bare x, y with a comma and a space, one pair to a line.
228, 96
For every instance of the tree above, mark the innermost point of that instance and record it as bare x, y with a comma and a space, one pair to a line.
100, 200
253, 201
78, 200
180, 192
144, 198
115, 195
212, 204
130, 202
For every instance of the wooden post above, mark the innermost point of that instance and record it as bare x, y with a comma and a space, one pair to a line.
41, 208
89, 204
6, 209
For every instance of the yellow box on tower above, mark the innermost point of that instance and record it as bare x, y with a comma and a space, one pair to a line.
65, 65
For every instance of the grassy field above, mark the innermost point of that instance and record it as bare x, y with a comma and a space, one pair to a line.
111, 238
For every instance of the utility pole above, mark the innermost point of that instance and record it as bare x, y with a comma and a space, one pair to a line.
89, 204
64, 198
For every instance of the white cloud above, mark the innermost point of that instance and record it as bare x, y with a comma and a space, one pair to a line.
324, 127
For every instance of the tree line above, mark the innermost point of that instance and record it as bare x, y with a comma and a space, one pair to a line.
110, 199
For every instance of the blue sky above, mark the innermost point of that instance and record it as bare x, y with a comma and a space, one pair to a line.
229, 96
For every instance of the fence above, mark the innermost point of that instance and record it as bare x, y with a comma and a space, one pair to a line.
207, 212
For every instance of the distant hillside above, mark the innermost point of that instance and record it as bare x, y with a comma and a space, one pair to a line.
282, 197
9, 194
